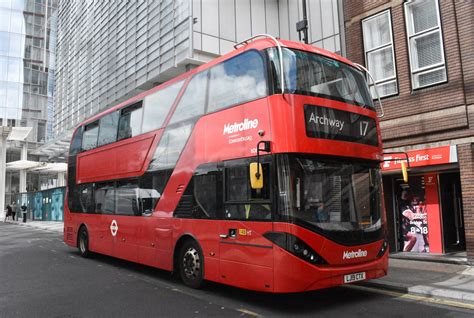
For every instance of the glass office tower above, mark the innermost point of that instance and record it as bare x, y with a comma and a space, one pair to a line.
27, 74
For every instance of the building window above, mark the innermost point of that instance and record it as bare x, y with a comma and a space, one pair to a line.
425, 43
41, 132
379, 54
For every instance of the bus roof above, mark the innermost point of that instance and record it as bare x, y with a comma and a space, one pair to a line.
259, 44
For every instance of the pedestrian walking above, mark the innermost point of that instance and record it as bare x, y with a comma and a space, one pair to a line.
23, 211
8, 212
13, 211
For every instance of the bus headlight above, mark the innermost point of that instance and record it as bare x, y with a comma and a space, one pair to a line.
295, 246
383, 249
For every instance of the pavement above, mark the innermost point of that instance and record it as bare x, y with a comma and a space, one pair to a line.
435, 276
428, 278
52, 226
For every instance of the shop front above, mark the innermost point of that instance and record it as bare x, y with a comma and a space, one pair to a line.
424, 214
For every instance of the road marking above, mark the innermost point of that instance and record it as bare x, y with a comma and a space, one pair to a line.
248, 312
425, 299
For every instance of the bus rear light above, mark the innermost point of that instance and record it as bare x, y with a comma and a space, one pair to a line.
383, 249
295, 246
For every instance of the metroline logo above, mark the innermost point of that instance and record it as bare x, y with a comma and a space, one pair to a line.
354, 254
237, 127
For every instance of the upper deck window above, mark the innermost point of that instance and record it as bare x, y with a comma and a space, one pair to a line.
108, 129
76, 142
158, 105
193, 101
236, 81
315, 75
130, 121
89, 140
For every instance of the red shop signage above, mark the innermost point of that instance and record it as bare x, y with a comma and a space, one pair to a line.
423, 157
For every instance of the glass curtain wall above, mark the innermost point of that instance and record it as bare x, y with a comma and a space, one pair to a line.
12, 53
27, 68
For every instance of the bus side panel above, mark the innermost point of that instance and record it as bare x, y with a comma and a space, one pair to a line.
105, 235
93, 225
154, 240
246, 257
122, 159
72, 223
206, 233
125, 240
70, 231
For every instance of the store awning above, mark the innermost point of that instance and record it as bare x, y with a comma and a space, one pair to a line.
36, 166
19, 133
55, 167
56, 149
23, 165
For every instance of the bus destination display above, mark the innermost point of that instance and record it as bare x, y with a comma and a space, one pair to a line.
329, 123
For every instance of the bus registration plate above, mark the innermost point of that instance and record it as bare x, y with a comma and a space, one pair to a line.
355, 277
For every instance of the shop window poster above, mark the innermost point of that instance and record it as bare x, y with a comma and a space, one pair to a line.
414, 216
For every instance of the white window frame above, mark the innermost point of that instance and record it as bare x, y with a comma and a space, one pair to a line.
412, 50
389, 79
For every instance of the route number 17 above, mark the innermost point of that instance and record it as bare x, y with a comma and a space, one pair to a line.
363, 125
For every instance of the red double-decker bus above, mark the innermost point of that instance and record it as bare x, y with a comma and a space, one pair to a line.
260, 169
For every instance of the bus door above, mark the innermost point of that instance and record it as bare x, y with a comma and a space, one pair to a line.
105, 205
85, 204
146, 230
126, 221
246, 257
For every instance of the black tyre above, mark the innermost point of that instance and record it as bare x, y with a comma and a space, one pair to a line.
191, 264
83, 242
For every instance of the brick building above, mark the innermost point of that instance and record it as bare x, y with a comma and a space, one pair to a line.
420, 54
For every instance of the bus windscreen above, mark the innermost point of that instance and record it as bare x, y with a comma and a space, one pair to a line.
316, 75
341, 200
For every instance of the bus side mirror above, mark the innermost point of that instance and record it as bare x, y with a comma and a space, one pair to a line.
404, 171
256, 175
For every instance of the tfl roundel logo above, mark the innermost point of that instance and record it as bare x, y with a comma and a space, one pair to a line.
113, 228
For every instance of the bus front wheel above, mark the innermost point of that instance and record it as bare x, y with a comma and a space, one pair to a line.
191, 262
83, 243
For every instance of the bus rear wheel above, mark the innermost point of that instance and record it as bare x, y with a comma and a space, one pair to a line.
191, 263
83, 244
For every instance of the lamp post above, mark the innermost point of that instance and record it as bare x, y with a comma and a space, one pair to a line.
302, 26
4, 133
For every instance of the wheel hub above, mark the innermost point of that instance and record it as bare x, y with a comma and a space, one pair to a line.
82, 243
191, 263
